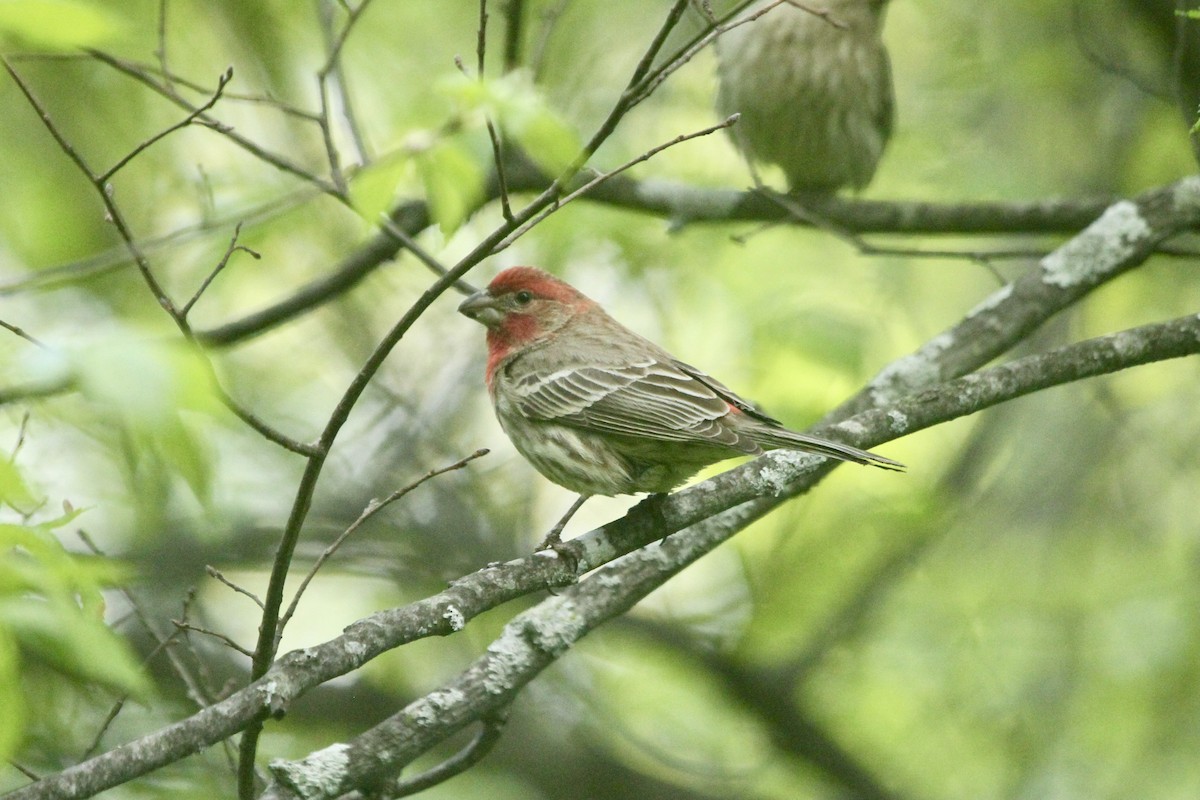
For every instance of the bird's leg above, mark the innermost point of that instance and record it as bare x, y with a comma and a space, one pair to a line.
554, 537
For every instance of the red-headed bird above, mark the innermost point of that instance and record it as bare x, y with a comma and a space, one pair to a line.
598, 409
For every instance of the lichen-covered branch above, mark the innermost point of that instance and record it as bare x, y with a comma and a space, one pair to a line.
1121, 238
724, 505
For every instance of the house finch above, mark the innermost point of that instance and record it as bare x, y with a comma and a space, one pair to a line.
814, 94
599, 409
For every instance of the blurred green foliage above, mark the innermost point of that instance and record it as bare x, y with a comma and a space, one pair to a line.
1015, 618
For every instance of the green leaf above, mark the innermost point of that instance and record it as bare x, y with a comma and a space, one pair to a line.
56, 24
520, 110
14, 492
145, 385
73, 642
52, 608
12, 721
182, 451
548, 140
373, 189
454, 182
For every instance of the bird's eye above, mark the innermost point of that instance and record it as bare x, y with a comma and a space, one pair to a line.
523, 297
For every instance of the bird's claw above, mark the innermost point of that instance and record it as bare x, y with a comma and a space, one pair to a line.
564, 550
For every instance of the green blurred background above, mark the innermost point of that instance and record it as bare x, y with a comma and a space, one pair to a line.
1017, 617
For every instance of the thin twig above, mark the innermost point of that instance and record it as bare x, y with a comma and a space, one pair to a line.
493, 134
22, 429
229, 251
254, 423
215, 573
118, 257
161, 51
339, 41
981, 257
222, 82
172, 78
225, 640
337, 78
331, 152
514, 17
135, 71
373, 508
550, 19
423, 255
603, 176
481, 39
195, 689
110, 206
473, 753
120, 704
20, 332
501, 177
686, 53
28, 773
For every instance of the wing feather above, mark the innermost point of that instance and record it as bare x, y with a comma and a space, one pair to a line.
651, 398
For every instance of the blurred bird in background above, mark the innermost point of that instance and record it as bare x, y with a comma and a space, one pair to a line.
814, 92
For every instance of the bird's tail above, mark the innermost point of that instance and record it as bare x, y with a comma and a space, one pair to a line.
782, 438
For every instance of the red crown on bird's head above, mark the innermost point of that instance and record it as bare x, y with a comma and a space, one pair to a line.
532, 279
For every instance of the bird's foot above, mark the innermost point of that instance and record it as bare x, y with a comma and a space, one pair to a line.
567, 551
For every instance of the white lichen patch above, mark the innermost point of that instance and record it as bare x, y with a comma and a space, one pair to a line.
608, 580
780, 469
506, 656
319, 775
1186, 192
1101, 246
853, 427
429, 710
559, 627
897, 421
355, 649
911, 373
455, 618
272, 696
992, 300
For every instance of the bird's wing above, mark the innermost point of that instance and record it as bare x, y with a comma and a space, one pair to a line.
650, 397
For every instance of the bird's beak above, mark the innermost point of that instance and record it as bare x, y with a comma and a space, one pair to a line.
482, 308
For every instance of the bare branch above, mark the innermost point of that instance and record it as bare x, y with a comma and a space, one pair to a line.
222, 82
604, 176
423, 255
8, 326
514, 17
373, 508
139, 74
229, 251
473, 753
225, 640
216, 574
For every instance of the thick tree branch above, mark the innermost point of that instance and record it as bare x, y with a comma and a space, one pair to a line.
713, 510
1123, 237
684, 204
411, 217
724, 505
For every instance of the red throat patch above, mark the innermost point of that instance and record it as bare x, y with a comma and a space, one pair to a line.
516, 329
